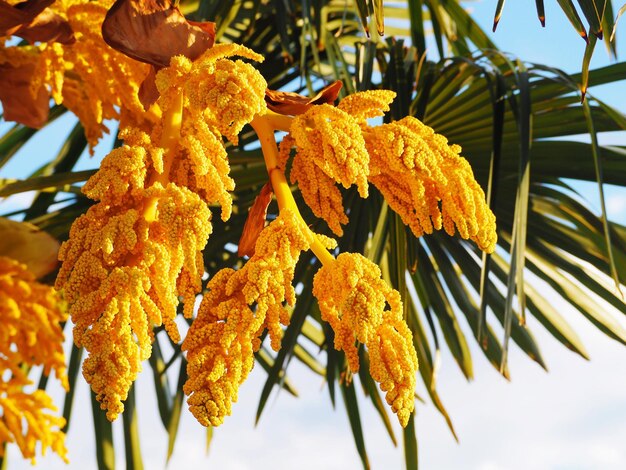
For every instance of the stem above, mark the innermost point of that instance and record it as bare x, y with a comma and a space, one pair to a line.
265, 126
172, 122
279, 122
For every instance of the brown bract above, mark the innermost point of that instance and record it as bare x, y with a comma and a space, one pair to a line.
148, 91
17, 99
13, 16
31, 20
285, 102
154, 31
255, 221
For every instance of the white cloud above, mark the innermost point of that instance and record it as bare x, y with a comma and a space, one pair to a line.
17, 202
616, 206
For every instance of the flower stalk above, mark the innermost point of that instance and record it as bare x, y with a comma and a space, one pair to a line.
172, 123
265, 126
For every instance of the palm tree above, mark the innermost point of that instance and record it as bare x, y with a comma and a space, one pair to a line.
514, 122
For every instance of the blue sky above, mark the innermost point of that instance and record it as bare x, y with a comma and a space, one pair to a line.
573, 417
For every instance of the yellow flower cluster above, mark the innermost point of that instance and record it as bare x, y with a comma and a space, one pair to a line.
317, 188
428, 183
226, 93
30, 320
235, 95
222, 340
422, 178
27, 420
330, 148
367, 104
123, 275
98, 79
353, 299
30, 335
132, 255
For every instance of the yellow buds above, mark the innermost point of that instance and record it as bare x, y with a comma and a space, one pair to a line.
227, 93
134, 254
203, 165
428, 183
30, 334
330, 148
422, 178
123, 275
220, 351
222, 339
332, 139
30, 320
27, 421
367, 104
95, 81
393, 364
353, 299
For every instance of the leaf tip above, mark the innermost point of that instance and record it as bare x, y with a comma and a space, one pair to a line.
497, 16
505, 372
583, 34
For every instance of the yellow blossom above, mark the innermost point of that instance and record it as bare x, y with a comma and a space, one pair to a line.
330, 148
367, 104
225, 94
50, 71
221, 342
428, 183
204, 167
122, 174
132, 255
30, 320
123, 275
99, 78
30, 334
353, 299
228, 93
27, 420
333, 140
318, 189
220, 97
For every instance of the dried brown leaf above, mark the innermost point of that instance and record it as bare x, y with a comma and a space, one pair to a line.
14, 16
154, 31
32, 21
47, 27
18, 102
285, 102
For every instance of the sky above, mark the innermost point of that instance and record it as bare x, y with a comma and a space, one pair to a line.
571, 418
